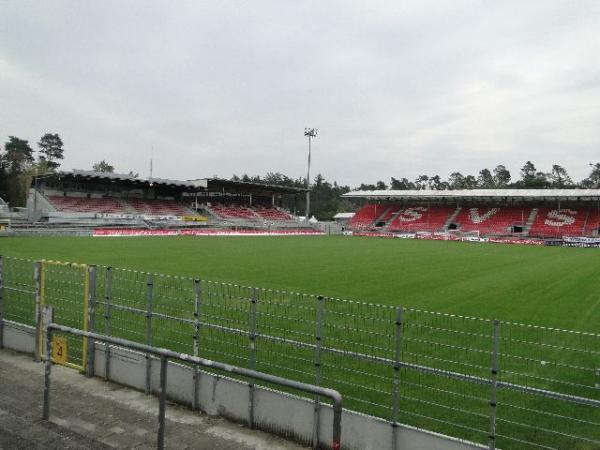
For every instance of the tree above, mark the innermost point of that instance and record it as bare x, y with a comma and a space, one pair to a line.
593, 181
3, 178
456, 180
470, 182
367, 187
421, 182
381, 186
17, 163
501, 176
402, 184
18, 154
51, 151
531, 178
559, 177
486, 180
528, 171
103, 166
436, 183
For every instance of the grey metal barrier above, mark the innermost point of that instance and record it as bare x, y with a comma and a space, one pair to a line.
164, 355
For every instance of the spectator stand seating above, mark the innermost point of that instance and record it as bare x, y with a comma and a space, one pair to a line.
273, 214
393, 209
159, 207
487, 220
421, 218
104, 205
259, 213
592, 226
559, 222
233, 212
366, 216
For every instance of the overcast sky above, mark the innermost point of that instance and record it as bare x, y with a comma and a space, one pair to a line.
396, 88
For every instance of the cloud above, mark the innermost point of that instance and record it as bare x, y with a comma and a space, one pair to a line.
395, 88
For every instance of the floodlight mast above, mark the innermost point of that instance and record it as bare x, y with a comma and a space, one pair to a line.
310, 133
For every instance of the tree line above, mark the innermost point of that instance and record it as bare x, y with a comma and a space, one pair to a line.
498, 178
326, 198
19, 163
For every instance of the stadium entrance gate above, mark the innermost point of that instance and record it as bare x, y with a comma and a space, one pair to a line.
63, 286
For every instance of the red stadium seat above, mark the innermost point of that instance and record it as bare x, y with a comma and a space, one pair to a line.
559, 222
491, 220
233, 212
105, 205
366, 215
272, 214
421, 218
158, 207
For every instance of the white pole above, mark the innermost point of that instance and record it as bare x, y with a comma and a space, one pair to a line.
310, 133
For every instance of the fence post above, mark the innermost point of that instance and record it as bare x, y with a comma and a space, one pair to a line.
107, 317
149, 288
396, 381
252, 359
494, 383
318, 336
162, 396
37, 279
197, 309
91, 318
49, 318
1, 302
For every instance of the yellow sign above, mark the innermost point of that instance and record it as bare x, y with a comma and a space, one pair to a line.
195, 219
59, 349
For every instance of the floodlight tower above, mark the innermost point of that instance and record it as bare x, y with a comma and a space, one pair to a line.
310, 133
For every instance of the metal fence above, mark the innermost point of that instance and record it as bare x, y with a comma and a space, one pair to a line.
501, 384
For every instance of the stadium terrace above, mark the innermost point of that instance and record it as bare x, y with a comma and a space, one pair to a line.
81, 201
516, 214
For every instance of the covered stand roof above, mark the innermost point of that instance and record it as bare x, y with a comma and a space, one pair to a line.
198, 185
481, 194
220, 184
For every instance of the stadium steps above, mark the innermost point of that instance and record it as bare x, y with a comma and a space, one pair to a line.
126, 206
585, 222
44, 198
530, 221
381, 216
451, 218
392, 218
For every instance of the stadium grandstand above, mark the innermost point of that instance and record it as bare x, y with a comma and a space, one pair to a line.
544, 214
86, 199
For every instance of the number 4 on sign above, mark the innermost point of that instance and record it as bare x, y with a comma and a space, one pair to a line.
59, 349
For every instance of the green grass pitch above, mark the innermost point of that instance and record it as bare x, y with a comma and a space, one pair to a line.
547, 286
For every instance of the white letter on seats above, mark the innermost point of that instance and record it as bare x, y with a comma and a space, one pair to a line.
476, 218
562, 216
412, 214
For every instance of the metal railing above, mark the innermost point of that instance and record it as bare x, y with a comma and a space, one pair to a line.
497, 383
165, 355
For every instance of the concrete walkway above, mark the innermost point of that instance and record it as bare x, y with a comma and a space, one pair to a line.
93, 414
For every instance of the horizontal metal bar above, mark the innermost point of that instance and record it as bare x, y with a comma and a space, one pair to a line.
334, 395
386, 361
364, 304
64, 263
23, 291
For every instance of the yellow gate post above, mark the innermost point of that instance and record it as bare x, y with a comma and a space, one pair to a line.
46, 278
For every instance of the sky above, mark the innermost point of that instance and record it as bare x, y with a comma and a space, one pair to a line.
395, 89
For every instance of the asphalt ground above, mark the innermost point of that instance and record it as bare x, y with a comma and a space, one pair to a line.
89, 413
